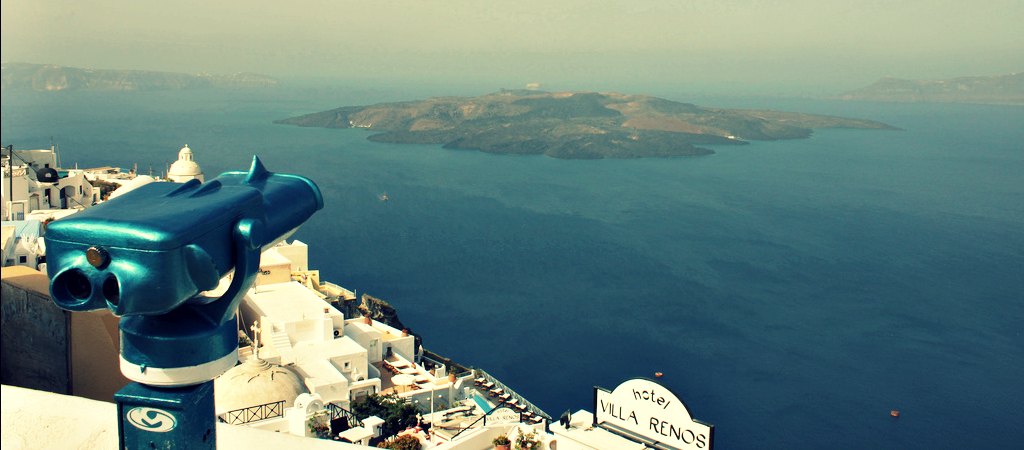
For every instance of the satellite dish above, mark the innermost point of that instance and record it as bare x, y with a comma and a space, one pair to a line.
565, 419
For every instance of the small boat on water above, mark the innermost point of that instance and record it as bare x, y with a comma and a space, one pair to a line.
383, 197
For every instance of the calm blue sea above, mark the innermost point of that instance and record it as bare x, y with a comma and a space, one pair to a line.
792, 292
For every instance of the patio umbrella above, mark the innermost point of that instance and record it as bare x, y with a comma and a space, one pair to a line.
403, 380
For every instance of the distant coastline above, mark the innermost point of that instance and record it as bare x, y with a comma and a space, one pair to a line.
1000, 89
53, 78
572, 125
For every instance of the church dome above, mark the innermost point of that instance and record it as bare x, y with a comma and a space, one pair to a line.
256, 382
185, 168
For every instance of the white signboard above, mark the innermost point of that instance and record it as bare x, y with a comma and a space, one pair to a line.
502, 416
648, 410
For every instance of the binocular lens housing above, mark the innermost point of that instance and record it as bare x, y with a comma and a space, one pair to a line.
75, 284
74, 289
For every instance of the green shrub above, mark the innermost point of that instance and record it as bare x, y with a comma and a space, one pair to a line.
406, 442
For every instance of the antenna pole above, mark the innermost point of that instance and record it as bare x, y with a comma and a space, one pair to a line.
10, 193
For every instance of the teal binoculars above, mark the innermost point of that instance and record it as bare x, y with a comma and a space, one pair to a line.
149, 256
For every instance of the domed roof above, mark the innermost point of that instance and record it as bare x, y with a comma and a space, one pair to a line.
185, 166
256, 382
131, 185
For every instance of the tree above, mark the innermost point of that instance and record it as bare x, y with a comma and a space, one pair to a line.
398, 414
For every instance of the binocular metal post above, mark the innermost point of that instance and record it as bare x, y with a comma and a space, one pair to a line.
178, 417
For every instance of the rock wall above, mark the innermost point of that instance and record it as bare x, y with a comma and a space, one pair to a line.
382, 311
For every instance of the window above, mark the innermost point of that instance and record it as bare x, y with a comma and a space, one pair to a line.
18, 211
22, 259
348, 365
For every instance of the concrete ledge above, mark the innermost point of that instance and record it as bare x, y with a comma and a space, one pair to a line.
36, 419
27, 279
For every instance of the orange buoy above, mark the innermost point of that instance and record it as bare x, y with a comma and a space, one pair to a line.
894, 413
658, 374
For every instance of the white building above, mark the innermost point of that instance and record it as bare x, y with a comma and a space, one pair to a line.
185, 168
21, 241
109, 174
307, 349
308, 361
32, 181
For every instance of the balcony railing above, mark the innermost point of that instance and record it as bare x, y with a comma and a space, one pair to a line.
254, 413
337, 412
499, 385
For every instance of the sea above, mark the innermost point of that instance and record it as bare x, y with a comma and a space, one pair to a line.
792, 293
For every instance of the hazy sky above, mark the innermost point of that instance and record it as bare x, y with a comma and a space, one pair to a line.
775, 45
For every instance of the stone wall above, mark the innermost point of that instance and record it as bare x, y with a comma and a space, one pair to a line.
46, 348
34, 333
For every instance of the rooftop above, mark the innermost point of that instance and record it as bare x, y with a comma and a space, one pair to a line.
301, 302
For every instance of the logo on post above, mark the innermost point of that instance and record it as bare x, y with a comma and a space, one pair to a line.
151, 419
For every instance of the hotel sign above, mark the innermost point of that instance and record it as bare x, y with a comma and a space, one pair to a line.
641, 408
501, 416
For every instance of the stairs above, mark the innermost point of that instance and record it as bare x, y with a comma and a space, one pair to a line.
279, 340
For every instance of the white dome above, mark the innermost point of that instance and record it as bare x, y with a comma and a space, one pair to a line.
185, 168
182, 167
256, 382
131, 185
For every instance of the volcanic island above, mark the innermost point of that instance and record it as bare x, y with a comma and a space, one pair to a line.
572, 125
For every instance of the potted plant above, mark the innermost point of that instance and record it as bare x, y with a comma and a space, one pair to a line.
502, 443
404, 442
527, 441
319, 425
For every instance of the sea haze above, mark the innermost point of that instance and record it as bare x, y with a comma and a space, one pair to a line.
792, 292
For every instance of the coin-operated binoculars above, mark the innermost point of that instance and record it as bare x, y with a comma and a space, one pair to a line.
148, 256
